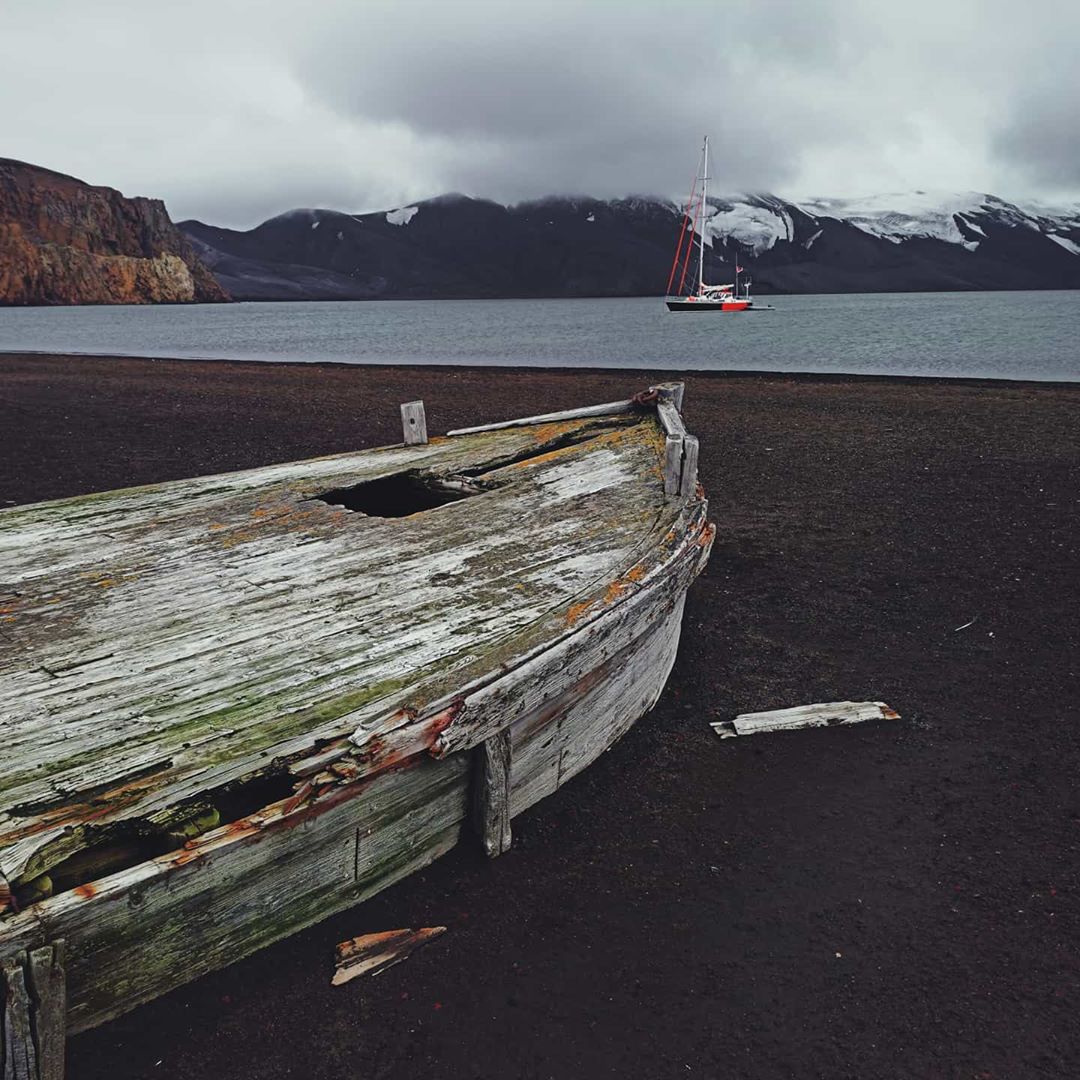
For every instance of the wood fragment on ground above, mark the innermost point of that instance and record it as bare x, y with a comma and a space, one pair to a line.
827, 714
371, 953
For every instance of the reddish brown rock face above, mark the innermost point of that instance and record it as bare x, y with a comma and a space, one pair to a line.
65, 242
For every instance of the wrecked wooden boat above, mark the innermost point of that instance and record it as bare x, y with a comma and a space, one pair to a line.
235, 704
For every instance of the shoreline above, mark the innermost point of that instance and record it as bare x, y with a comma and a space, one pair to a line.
556, 370
897, 899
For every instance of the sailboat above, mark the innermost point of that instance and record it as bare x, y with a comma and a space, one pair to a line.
683, 292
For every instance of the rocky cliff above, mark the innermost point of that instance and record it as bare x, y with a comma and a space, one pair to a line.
65, 242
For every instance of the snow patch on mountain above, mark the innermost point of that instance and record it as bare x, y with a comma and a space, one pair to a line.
750, 224
899, 217
1055, 214
1065, 242
403, 215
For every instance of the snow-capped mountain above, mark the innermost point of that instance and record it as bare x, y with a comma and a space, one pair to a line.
759, 221
459, 246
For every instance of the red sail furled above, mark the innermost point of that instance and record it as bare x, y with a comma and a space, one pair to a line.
690, 246
682, 233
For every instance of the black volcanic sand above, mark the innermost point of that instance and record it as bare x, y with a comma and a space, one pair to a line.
889, 900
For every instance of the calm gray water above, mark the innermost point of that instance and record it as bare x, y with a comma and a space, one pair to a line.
1032, 335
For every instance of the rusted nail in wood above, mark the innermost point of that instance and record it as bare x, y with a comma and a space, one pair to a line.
371, 953
414, 423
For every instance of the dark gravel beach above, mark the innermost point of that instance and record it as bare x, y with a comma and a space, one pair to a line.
899, 899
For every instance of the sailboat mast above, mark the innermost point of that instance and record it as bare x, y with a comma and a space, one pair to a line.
701, 234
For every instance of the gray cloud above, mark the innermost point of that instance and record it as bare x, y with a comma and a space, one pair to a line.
234, 110
1039, 138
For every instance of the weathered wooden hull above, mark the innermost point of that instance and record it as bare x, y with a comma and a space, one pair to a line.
137, 934
402, 794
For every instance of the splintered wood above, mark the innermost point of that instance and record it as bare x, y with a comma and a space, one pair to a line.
829, 714
371, 953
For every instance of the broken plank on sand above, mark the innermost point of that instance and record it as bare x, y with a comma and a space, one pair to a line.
371, 953
827, 714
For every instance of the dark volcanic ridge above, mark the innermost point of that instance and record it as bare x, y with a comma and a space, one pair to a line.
459, 247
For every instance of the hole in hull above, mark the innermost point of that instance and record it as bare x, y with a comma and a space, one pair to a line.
394, 496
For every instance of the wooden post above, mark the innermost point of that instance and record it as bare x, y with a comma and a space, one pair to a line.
671, 391
33, 1018
688, 483
492, 793
414, 422
673, 453
48, 993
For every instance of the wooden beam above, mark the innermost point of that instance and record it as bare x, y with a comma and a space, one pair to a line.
48, 993
493, 793
19, 1054
827, 714
670, 420
688, 482
611, 408
414, 423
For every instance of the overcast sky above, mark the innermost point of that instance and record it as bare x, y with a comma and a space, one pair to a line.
234, 110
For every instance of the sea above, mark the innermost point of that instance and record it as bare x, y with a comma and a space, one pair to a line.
996, 335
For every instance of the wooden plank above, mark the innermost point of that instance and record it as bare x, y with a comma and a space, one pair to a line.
20, 1056
493, 793
414, 423
670, 420
673, 454
826, 714
634, 606
689, 476
133, 936
610, 408
48, 991
371, 954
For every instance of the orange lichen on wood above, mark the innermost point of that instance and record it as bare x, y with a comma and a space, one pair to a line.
576, 611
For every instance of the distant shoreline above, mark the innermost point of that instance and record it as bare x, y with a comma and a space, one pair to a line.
654, 373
